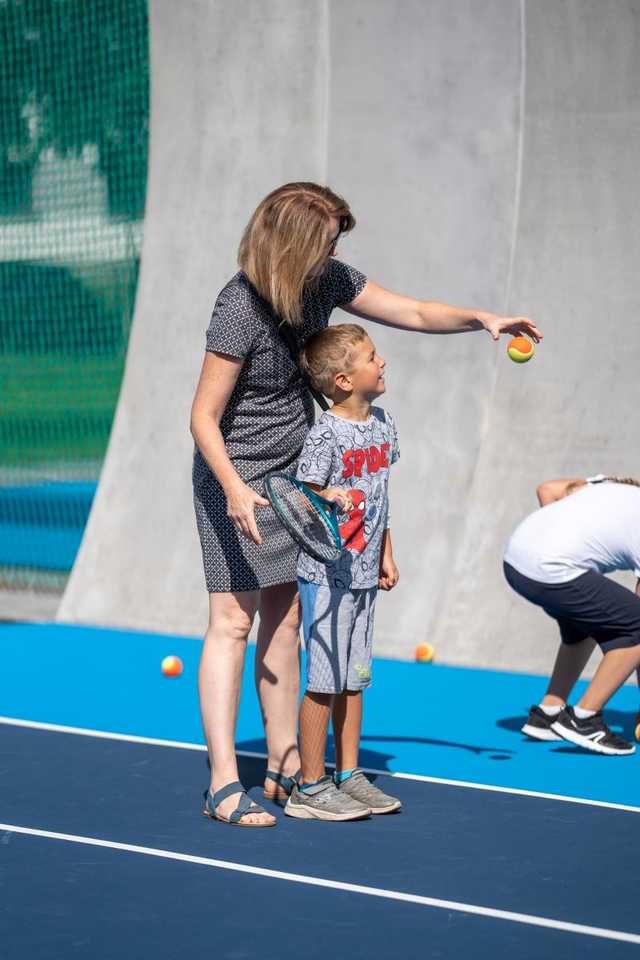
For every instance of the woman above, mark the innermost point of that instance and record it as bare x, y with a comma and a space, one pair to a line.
250, 414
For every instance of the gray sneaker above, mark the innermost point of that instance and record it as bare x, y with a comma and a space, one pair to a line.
358, 787
324, 801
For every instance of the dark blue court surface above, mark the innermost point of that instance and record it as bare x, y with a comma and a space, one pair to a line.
104, 852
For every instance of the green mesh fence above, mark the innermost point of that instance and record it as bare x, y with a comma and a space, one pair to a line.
74, 107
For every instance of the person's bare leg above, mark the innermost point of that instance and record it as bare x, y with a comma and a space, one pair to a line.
315, 711
615, 667
278, 677
219, 681
570, 662
347, 723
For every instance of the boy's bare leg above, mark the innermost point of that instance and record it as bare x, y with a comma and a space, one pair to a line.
570, 662
347, 723
615, 667
315, 711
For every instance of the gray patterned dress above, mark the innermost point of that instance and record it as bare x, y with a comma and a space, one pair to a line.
264, 426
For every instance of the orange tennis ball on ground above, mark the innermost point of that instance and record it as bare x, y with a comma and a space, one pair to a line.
172, 666
424, 653
520, 349
637, 730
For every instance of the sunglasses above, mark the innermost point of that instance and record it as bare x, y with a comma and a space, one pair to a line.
344, 223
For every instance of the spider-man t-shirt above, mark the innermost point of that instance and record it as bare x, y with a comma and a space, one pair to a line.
354, 455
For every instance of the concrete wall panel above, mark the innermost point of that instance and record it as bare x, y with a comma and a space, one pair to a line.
238, 106
424, 111
569, 411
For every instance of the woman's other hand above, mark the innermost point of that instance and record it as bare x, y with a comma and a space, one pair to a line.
241, 504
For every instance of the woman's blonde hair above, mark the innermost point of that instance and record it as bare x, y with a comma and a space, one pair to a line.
287, 242
328, 353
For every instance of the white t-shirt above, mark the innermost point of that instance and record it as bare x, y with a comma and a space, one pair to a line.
595, 528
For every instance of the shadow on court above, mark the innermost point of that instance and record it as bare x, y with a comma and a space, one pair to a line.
378, 760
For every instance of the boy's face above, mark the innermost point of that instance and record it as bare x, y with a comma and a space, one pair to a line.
366, 376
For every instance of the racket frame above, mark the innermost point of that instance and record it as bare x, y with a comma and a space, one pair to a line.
327, 511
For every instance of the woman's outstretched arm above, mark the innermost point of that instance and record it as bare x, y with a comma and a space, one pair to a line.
430, 316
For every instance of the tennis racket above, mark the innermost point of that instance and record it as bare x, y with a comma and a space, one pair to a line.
311, 520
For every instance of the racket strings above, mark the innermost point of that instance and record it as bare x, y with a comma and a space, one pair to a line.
303, 518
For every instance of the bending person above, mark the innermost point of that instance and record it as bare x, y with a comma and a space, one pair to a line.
556, 559
250, 415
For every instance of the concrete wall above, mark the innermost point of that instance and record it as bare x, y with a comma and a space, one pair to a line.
237, 106
489, 150
570, 411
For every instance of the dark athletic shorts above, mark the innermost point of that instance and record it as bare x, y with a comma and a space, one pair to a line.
589, 606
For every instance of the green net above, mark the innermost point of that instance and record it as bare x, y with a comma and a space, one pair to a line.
74, 108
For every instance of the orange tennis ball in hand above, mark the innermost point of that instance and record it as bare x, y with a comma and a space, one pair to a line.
172, 666
520, 349
424, 653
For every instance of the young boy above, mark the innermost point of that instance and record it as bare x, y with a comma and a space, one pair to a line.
556, 558
346, 458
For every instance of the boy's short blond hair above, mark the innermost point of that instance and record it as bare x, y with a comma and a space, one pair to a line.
328, 353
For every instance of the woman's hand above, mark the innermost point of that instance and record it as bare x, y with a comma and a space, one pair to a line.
389, 574
495, 325
241, 504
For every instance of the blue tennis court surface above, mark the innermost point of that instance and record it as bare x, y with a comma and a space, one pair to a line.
104, 851
41, 525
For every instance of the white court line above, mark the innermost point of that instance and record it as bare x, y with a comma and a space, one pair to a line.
183, 745
452, 905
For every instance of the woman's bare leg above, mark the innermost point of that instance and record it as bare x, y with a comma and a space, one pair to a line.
278, 676
570, 662
615, 667
219, 682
